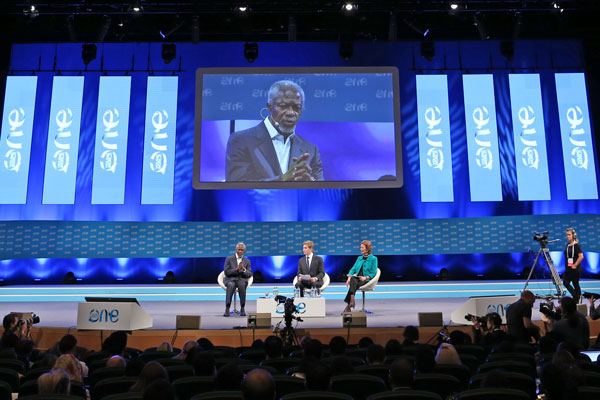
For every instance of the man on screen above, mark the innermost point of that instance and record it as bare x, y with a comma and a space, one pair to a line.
272, 150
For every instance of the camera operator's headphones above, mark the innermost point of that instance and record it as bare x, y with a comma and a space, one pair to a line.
573, 232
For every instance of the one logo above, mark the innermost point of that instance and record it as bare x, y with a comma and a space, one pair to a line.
497, 308
103, 315
435, 154
160, 120
579, 156
529, 156
108, 161
232, 80
64, 119
354, 82
484, 158
12, 158
325, 94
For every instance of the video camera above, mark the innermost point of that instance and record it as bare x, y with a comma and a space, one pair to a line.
481, 320
33, 320
541, 237
550, 311
289, 308
590, 295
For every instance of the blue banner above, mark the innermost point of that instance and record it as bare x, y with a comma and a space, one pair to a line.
63, 140
159, 140
110, 155
434, 138
530, 137
333, 97
15, 138
576, 134
482, 138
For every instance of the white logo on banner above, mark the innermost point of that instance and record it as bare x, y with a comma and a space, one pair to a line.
481, 117
579, 156
12, 158
529, 155
64, 119
108, 158
435, 154
160, 120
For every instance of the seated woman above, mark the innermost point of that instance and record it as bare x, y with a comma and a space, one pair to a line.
363, 271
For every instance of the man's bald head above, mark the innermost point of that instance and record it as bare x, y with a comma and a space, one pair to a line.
116, 361
258, 384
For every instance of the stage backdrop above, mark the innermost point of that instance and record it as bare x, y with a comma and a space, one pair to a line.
482, 137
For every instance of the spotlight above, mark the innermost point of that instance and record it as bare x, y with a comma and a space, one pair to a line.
428, 50
136, 7
453, 6
346, 50
348, 7
417, 29
478, 22
292, 29
195, 29
507, 49
393, 28
104, 29
169, 52
557, 6
251, 51
32, 11
242, 8
88, 53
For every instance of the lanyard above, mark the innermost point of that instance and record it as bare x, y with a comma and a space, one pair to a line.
572, 251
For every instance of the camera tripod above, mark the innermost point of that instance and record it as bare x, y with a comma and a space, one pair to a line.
288, 335
545, 252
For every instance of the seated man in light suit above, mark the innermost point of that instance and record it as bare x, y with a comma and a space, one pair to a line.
237, 272
312, 265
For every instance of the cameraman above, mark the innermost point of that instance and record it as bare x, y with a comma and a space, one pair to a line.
573, 259
490, 334
14, 330
518, 318
573, 327
594, 312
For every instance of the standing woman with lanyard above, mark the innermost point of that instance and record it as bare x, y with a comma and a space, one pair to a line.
573, 259
363, 271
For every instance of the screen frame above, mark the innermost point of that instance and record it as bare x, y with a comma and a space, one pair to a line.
200, 72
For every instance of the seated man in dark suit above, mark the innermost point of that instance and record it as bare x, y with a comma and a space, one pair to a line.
272, 150
237, 272
312, 265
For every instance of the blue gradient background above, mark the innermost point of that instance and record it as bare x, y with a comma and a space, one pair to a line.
452, 58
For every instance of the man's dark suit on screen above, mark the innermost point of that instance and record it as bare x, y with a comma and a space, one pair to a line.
315, 269
250, 156
236, 278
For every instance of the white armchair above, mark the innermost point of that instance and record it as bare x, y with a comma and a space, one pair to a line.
220, 281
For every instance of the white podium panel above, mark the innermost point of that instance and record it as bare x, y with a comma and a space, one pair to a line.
112, 316
307, 307
480, 306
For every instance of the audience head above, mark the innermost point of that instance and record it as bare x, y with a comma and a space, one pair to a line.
47, 361
206, 344
116, 343
424, 359
67, 344
528, 297
401, 374
493, 320
447, 354
337, 346
204, 364
273, 347
318, 377
229, 377
164, 346
70, 364
160, 389
189, 345
54, 382
375, 354
116, 361
191, 355
313, 348
393, 347
411, 333
10, 321
341, 365
561, 381
151, 372
258, 344
459, 338
258, 384
134, 367
364, 342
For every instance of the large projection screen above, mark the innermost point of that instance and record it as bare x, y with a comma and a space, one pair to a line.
255, 128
